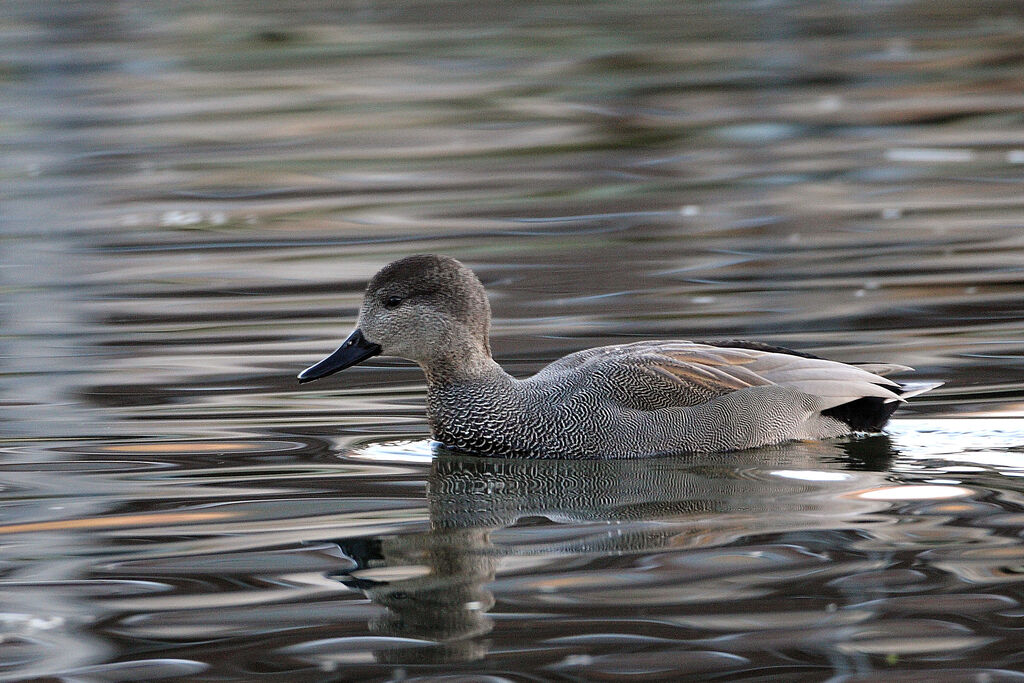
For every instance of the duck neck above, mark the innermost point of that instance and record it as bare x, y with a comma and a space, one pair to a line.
471, 400
461, 366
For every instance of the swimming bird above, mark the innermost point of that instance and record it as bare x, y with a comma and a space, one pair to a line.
628, 400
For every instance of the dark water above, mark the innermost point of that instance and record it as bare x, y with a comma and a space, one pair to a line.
193, 196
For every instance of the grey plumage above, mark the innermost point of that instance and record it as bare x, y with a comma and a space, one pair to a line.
620, 401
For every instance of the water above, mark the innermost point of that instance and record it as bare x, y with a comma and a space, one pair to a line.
193, 197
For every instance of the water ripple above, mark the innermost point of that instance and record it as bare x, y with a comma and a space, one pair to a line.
194, 199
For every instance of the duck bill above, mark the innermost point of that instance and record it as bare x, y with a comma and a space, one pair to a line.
354, 350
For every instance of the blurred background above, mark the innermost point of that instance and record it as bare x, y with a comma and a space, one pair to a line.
194, 194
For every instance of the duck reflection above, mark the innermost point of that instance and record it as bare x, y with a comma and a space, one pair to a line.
444, 600
434, 585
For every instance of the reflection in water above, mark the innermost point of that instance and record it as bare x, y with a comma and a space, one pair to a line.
434, 585
447, 604
802, 555
745, 564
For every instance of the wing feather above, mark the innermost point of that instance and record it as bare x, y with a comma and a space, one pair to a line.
693, 373
650, 375
659, 374
884, 369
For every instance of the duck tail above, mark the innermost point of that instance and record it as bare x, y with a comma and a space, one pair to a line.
870, 413
910, 389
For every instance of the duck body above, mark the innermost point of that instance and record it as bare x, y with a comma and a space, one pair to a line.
629, 400
626, 401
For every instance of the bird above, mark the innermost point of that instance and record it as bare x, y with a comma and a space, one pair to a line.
631, 400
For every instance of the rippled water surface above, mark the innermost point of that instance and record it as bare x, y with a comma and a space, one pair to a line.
193, 195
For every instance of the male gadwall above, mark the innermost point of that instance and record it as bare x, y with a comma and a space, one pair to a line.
629, 400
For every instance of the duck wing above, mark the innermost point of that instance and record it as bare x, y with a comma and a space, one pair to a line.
662, 374
881, 369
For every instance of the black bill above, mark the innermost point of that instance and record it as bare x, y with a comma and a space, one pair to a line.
354, 350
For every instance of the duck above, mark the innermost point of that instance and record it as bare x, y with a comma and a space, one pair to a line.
631, 400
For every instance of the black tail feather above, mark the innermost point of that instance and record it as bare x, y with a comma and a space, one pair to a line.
868, 414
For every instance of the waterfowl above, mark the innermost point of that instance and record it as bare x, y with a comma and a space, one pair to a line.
628, 400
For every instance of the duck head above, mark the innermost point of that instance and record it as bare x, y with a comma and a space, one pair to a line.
429, 309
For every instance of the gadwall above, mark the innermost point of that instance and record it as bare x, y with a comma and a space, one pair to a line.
629, 400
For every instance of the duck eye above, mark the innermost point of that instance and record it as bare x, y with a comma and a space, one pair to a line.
393, 302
